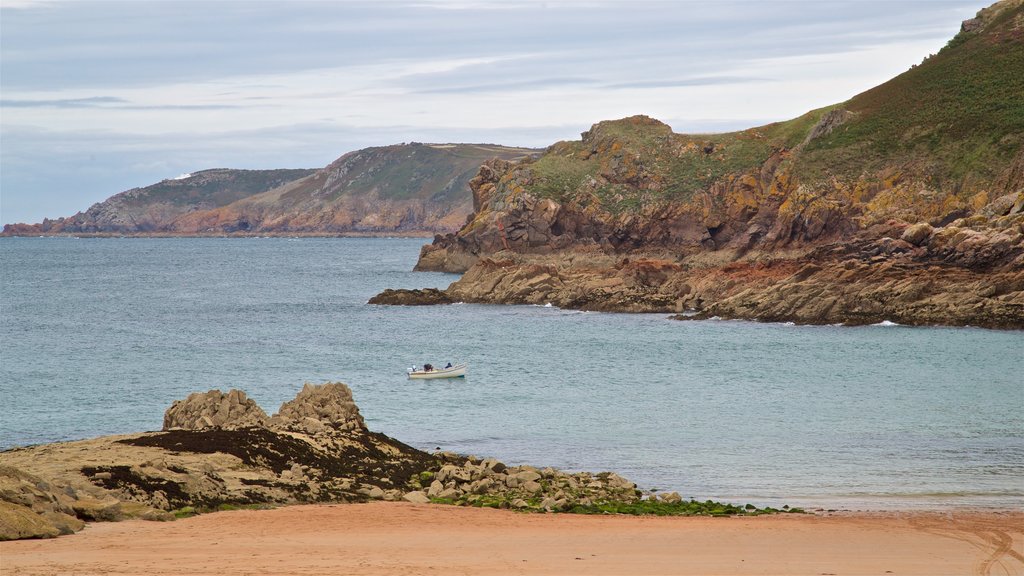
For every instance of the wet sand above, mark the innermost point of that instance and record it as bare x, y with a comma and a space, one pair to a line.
396, 538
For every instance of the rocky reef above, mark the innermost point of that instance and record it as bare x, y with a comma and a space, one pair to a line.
895, 205
414, 297
220, 450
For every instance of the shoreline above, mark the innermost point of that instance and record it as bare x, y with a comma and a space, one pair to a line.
88, 235
388, 538
890, 504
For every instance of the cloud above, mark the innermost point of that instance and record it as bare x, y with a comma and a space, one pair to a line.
539, 83
89, 102
699, 81
106, 102
98, 97
26, 4
53, 173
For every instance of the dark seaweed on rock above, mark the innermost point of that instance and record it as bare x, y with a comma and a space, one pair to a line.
364, 453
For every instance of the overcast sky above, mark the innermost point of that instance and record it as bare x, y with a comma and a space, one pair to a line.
100, 97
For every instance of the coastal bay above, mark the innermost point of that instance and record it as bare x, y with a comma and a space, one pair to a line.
105, 333
787, 341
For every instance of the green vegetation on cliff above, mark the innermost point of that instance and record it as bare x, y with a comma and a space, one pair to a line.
210, 188
414, 188
954, 123
626, 163
957, 116
430, 172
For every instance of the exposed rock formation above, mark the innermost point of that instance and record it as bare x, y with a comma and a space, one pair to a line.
425, 297
316, 449
470, 480
959, 274
892, 205
318, 406
401, 189
30, 508
411, 189
214, 409
150, 209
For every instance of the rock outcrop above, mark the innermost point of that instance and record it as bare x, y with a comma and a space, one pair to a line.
892, 205
319, 406
415, 297
31, 508
220, 451
214, 409
404, 189
475, 481
150, 209
960, 274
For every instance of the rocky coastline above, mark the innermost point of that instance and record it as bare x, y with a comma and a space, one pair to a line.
887, 207
220, 451
963, 271
400, 190
956, 275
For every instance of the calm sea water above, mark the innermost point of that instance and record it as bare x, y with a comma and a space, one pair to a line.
99, 336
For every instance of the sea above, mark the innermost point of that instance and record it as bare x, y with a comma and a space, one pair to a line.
100, 336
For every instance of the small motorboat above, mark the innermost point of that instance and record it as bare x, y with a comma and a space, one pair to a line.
428, 371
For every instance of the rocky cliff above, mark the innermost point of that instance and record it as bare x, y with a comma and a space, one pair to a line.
401, 189
406, 188
904, 203
151, 209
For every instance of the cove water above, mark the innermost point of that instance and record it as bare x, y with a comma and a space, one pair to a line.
99, 336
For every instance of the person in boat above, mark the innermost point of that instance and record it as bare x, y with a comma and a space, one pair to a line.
428, 367
449, 365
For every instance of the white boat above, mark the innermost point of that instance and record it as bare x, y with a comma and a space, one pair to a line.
456, 371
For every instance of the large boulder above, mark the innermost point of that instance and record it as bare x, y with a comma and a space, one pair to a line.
917, 234
214, 409
18, 522
317, 406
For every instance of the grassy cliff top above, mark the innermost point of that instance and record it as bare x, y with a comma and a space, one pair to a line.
216, 187
956, 122
956, 117
434, 172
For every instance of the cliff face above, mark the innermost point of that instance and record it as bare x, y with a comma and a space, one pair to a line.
152, 208
407, 188
918, 181
413, 188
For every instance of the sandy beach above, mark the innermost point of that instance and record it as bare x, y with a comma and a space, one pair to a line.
397, 538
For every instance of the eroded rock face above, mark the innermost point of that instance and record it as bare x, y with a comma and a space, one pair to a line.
812, 220
214, 409
216, 449
31, 508
968, 272
317, 406
316, 449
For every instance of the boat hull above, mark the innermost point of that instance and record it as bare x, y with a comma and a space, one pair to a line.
458, 371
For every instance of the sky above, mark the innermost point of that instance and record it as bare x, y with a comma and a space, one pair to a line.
101, 97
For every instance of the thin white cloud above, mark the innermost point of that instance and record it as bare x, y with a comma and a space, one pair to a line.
186, 85
27, 4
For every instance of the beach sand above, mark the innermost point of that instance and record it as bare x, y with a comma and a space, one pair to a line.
397, 538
